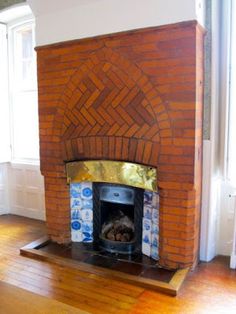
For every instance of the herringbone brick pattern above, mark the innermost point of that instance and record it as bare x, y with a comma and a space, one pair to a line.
108, 105
134, 96
101, 101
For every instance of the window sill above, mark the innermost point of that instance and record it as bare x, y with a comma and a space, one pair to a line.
25, 162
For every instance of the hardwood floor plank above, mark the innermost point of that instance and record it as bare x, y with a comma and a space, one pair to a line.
12, 302
98, 287
72, 281
104, 297
83, 276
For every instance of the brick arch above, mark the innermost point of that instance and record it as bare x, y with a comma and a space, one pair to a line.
111, 148
105, 106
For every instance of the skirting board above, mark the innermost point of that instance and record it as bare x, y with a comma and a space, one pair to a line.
233, 261
32, 250
29, 213
233, 255
3, 212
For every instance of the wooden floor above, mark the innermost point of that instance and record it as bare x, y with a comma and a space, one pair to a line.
14, 300
211, 288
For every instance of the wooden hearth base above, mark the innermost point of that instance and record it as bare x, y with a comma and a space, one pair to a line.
172, 287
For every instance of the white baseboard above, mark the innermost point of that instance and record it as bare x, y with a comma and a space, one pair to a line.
3, 211
30, 213
233, 255
233, 261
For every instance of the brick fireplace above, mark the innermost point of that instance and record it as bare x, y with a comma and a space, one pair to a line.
135, 97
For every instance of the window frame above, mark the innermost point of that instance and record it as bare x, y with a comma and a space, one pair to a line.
12, 27
5, 155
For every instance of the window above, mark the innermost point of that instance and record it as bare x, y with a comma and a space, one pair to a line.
23, 93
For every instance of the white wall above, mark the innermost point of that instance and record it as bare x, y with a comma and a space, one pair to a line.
26, 191
62, 20
4, 199
22, 190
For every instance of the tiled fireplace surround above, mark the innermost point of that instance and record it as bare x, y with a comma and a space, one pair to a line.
136, 97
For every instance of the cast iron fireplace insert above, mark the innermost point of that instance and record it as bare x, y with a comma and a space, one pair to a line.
117, 207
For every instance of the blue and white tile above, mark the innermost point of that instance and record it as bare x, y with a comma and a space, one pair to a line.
76, 225
147, 225
146, 248
147, 197
75, 214
86, 191
88, 204
154, 252
87, 238
155, 239
87, 230
87, 215
155, 226
75, 190
155, 200
150, 232
146, 236
87, 226
81, 212
75, 203
147, 211
155, 214
76, 236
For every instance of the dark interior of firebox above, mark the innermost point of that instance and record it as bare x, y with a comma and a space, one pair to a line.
117, 222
